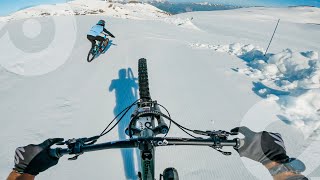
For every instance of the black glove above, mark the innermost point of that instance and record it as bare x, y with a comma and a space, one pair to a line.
263, 147
33, 159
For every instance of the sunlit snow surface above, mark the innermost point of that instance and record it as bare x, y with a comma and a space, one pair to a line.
207, 68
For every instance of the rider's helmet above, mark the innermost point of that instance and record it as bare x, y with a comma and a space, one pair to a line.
101, 22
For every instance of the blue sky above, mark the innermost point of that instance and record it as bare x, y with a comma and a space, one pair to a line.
10, 6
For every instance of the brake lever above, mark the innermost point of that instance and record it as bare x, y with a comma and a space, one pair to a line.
226, 153
74, 145
73, 158
91, 140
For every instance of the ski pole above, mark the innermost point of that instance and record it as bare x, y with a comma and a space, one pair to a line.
272, 37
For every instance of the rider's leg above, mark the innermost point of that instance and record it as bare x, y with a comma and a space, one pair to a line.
106, 42
100, 39
92, 40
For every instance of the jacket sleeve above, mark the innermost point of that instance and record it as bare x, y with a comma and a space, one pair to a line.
109, 33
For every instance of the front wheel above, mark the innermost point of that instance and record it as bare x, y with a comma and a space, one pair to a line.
170, 174
91, 54
143, 79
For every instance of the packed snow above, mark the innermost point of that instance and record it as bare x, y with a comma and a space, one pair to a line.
207, 68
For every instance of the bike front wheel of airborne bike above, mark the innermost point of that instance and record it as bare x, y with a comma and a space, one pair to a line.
143, 80
92, 54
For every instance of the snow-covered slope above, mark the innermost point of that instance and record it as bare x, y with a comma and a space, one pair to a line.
212, 76
290, 78
92, 7
137, 11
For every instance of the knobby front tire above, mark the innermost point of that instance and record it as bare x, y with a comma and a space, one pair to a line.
143, 80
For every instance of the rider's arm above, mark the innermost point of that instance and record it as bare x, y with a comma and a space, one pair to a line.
112, 86
16, 176
269, 149
109, 33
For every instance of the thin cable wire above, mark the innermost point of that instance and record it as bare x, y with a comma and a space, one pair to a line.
116, 123
177, 123
124, 110
114, 120
184, 129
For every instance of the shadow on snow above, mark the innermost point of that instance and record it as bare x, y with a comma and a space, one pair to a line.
125, 88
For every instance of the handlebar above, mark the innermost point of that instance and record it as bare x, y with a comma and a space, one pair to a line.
80, 148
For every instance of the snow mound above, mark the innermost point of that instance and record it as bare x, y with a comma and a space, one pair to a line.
86, 7
186, 23
292, 79
303, 110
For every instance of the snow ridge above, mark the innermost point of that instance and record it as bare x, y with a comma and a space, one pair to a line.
136, 11
89, 7
292, 79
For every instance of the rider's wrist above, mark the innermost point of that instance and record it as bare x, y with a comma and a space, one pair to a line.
271, 164
26, 176
23, 173
15, 175
280, 176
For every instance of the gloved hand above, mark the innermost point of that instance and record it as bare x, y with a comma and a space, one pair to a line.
33, 159
263, 147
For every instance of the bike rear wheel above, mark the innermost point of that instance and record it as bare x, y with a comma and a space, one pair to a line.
143, 80
91, 54
105, 46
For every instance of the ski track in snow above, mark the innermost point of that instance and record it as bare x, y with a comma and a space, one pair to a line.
292, 79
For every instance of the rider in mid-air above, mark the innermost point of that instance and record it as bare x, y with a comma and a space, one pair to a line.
96, 31
264, 147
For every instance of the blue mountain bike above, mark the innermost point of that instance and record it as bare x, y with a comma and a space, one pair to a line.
99, 48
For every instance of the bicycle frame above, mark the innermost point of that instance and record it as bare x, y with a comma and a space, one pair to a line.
94, 51
100, 44
143, 124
